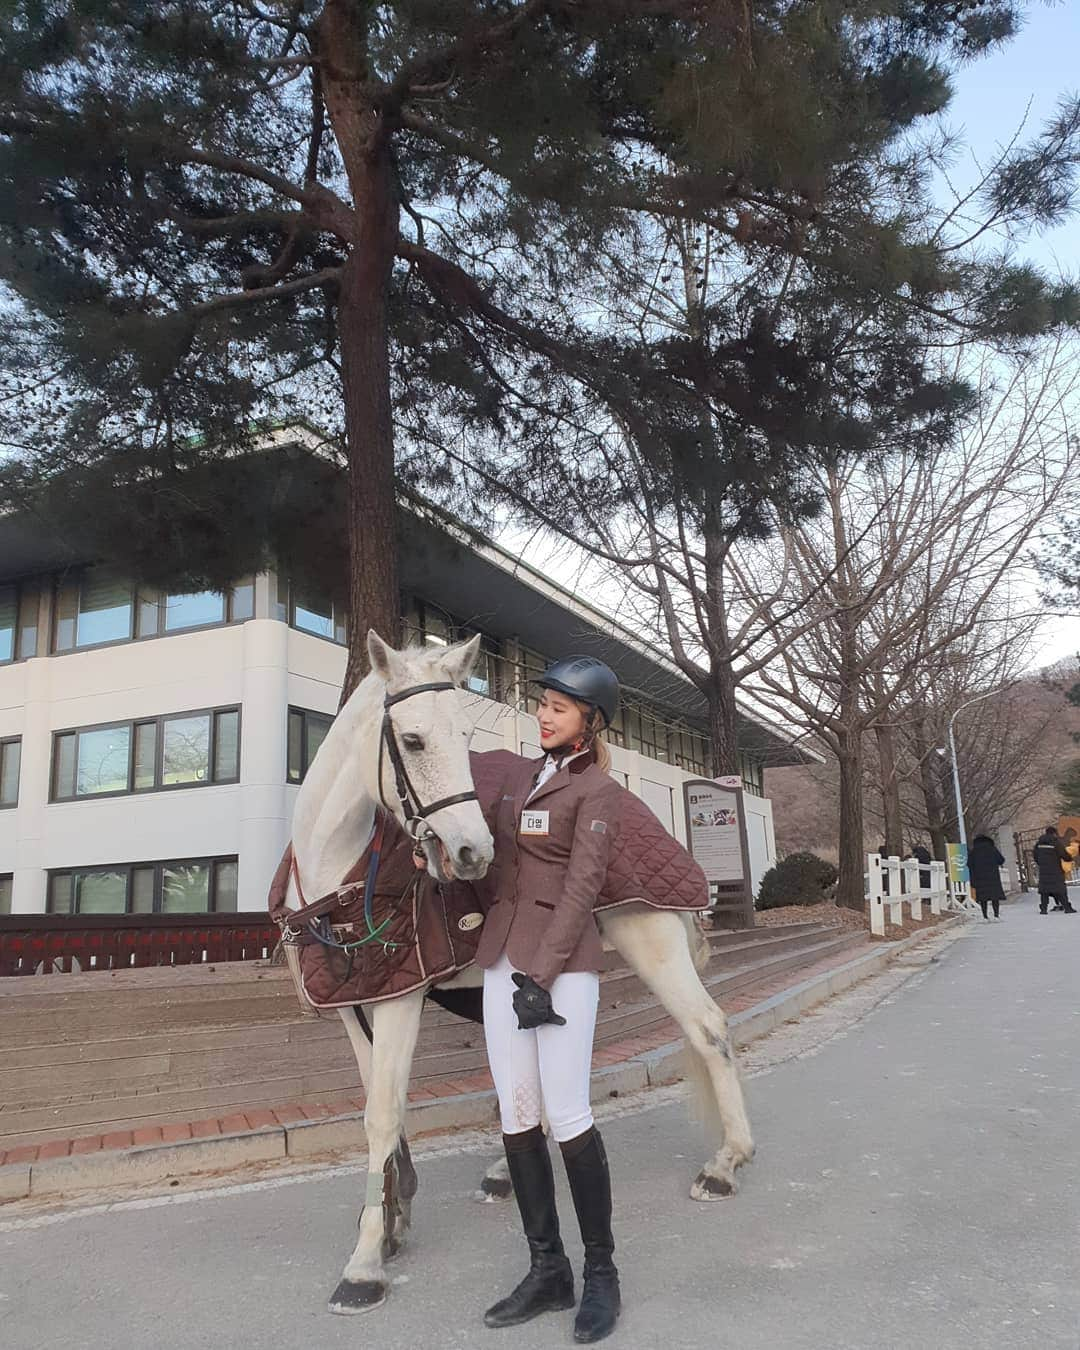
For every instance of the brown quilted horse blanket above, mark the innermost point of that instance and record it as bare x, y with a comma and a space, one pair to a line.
433, 930
431, 934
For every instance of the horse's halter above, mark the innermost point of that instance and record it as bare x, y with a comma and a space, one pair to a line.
416, 814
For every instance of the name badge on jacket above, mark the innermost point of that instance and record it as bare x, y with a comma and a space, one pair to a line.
534, 822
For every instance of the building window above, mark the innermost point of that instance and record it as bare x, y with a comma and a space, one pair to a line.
687, 749
532, 667
180, 750
10, 762
187, 886
101, 606
306, 608
19, 606
651, 738
307, 731
753, 776
6, 880
430, 626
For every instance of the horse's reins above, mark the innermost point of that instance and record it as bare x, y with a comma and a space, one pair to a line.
416, 825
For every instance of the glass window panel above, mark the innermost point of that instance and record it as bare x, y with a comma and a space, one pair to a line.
186, 753
8, 620
5, 895
103, 761
29, 607
194, 610
145, 755
314, 614
185, 888
296, 747
60, 893
436, 628
279, 598
148, 618
225, 887
481, 680
142, 890
315, 733
227, 746
339, 628
101, 892
10, 758
242, 601
67, 609
104, 608
64, 769
411, 623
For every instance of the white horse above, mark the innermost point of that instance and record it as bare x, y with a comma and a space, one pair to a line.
332, 825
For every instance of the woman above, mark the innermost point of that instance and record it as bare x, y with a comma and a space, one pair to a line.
541, 952
984, 862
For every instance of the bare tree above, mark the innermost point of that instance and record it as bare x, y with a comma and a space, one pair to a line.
899, 568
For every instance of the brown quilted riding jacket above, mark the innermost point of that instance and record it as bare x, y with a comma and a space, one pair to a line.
539, 902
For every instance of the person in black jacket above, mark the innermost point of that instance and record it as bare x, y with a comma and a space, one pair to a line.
922, 853
1049, 853
984, 864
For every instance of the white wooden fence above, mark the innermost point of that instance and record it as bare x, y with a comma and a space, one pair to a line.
904, 887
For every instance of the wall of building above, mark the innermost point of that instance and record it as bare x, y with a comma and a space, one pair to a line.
264, 667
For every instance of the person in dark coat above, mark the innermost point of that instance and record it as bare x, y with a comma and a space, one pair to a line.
922, 854
1049, 853
984, 864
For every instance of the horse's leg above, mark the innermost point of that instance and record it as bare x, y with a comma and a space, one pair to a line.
658, 947
395, 1025
495, 1183
361, 1047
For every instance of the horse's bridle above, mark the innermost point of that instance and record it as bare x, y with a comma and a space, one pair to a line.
415, 812
416, 824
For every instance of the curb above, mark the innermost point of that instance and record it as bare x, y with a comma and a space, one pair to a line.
152, 1163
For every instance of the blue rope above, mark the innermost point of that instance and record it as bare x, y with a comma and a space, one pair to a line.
322, 930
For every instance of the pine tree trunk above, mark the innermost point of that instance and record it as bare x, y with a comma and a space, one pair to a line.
850, 888
374, 596
890, 790
362, 138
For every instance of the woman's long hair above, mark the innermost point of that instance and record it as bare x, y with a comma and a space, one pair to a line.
593, 739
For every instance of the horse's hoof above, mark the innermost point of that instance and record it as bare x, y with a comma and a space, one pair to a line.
357, 1296
494, 1188
708, 1187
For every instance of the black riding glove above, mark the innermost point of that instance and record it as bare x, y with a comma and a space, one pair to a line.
532, 1003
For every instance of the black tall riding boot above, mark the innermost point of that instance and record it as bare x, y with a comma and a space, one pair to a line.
590, 1185
549, 1285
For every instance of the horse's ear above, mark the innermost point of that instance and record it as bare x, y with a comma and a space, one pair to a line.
380, 654
460, 660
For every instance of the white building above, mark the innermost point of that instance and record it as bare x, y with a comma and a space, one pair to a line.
151, 745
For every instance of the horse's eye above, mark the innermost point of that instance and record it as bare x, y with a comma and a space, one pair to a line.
411, 741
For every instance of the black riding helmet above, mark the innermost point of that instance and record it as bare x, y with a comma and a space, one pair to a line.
586, 679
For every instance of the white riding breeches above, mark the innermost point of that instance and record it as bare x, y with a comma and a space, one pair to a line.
547, 1067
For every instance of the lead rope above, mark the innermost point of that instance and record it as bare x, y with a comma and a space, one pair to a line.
322, 930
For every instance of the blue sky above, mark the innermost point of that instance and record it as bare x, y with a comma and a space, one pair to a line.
992, 98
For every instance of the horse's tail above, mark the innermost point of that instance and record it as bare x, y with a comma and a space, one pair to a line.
697, 941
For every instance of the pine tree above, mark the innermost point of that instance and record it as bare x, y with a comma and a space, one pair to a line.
211, 213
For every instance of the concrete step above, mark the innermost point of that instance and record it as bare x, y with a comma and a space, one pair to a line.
183, 1072
228, 1053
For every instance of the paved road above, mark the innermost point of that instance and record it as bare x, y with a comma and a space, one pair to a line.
916, 1186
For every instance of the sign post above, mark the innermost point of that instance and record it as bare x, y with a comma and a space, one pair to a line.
716, 834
